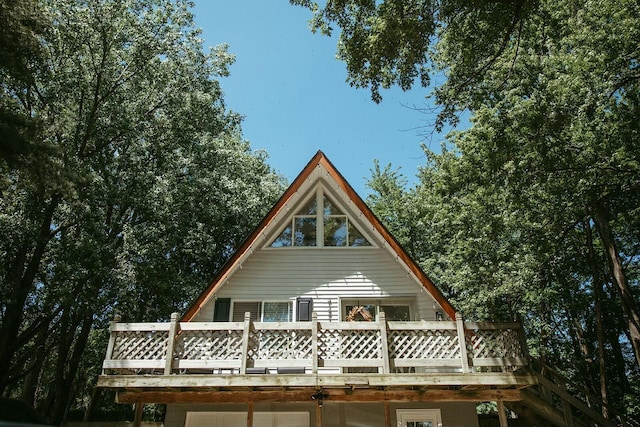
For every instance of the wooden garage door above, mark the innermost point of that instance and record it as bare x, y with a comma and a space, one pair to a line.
239, 419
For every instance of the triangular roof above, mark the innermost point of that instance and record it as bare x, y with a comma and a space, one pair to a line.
256, 237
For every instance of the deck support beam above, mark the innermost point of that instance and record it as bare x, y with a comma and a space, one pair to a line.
330, 395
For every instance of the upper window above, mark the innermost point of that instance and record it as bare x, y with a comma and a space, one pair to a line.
320, 222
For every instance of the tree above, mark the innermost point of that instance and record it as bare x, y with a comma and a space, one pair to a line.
139, 191
533, 210
20, 57
396, 42
553, 89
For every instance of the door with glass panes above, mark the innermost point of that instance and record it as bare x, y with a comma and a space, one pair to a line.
419, 418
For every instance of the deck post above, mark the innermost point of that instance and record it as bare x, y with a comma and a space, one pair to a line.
387, 414
318, 414
250, 413
523, 341
314, 343
245, 343
566, 406
462, 340
384, 344
171, 339
112, 338
502, 415
137, 413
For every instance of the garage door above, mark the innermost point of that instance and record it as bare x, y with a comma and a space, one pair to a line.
239, 419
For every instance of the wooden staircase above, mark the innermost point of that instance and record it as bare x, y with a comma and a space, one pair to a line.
556, 401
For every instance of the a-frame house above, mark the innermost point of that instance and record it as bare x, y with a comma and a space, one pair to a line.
320, 318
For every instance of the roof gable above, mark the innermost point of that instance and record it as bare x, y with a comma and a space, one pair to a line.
318, 173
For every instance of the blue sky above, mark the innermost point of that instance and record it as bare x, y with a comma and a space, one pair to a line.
291, 89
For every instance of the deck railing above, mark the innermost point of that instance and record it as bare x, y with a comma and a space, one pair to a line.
313, 347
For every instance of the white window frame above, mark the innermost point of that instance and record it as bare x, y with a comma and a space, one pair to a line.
319, 218
285, 301
404, 416
262, 302
378, 302
234, 302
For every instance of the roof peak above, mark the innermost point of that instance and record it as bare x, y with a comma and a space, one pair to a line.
290, 196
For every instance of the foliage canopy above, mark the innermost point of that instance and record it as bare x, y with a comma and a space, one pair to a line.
531, 212
135, 187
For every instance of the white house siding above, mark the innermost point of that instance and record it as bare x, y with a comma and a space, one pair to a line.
454, 414
326, 275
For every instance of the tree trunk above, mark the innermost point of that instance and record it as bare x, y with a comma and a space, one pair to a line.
74, 335
92, 401
629, 306
32, 379
597, 295
20, 277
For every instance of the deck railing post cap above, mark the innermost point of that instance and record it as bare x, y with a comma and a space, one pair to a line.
174, 316
458, 315
117, 318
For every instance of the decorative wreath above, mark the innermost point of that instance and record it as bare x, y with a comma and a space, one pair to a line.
366, 316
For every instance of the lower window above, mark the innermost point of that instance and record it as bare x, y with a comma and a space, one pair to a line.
267, 311
419, 418
368, 310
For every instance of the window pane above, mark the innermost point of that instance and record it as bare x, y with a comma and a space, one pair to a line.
396, 312
359, 313
335, 231
356, 238
241, 307
305, 231
277, 312
284, 239
310, 208
330, 208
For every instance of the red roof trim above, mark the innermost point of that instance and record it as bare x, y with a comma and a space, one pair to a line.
318, 159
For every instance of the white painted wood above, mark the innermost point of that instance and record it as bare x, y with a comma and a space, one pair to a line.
208, 364
463, 343
171, 339
326, 275
500, 361
211, 326
321, 380
133, 364
314, 342
421, 326
148, 326
384, 343
440, 363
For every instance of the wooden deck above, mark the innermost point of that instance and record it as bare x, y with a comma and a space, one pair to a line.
361, 361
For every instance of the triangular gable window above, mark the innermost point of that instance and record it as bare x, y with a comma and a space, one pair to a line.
320, 216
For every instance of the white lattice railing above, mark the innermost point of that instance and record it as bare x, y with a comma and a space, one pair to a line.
256, 347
